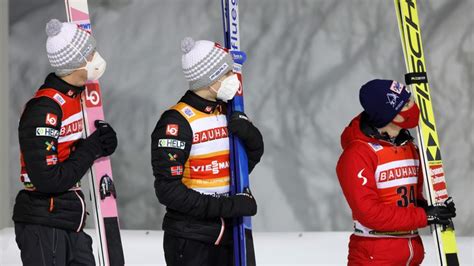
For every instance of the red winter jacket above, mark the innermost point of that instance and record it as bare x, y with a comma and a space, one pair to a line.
381, 181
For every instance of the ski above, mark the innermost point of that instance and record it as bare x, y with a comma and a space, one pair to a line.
428, 141
244, 253
103, 196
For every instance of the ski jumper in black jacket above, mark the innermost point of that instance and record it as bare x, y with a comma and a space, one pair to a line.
190, 159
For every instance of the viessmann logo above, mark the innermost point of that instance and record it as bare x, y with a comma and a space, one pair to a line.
215, 167
398, 173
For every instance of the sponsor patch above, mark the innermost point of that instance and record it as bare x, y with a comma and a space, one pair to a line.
213, 167
51, 159
360, 176
171, 143
219, 71
50, 146
398, 173
397, 87
172, 129
188, 112
51, 119
210, 134
172, 157
392, 99
376, 146
72, 128
59, 99
24, 178
47, 132
176, 170
208, 109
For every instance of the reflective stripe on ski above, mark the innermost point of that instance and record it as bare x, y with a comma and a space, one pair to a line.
109, 244
242, 231
428, 142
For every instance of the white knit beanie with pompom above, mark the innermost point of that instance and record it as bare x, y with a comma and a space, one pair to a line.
67, 46
204, 62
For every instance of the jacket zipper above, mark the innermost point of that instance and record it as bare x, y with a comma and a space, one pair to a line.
410, 247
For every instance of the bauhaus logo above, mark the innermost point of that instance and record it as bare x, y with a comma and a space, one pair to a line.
398, 173
210, 134
72, 128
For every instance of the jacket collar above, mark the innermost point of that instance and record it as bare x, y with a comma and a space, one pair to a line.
371, 131
200, 103
54, 82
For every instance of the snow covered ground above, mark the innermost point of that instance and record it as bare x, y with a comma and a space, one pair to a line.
292, 248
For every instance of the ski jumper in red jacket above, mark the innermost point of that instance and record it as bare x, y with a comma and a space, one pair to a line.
381, 179
382, 183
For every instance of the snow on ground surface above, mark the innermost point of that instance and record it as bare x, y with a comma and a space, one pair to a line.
292, 248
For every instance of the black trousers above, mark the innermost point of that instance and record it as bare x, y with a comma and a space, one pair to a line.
44, 246
188, 252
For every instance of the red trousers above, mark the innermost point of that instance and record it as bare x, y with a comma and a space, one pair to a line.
385, 251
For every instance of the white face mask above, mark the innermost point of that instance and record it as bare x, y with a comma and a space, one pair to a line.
95, 68
228, 89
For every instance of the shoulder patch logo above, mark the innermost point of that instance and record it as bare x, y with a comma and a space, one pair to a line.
375, 146
172, 130
171, 143
51, 119
359, 175
59, 99
50, 146
397, 87
51, 160
188, 112
47, 132
176, 170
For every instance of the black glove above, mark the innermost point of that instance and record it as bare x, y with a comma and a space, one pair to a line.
101, 142
422, 203
107, 136
241, 204
441, 214
240, 126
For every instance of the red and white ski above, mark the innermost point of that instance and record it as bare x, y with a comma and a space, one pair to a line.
102, 192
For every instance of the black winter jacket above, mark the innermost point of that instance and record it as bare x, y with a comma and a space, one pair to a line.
191, 214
